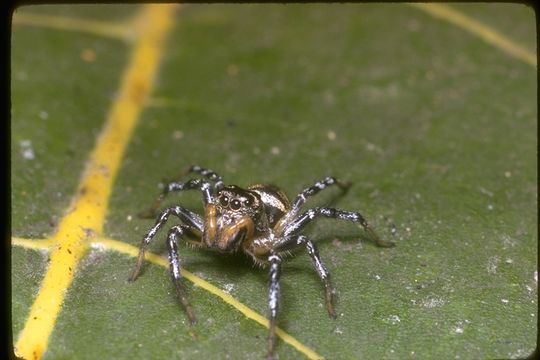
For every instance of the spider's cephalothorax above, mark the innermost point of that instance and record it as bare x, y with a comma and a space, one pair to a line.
260, 221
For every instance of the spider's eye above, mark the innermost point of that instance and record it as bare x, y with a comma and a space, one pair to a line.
224, 200
248, 202
235, 204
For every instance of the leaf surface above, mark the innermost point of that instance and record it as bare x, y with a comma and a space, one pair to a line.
435, 128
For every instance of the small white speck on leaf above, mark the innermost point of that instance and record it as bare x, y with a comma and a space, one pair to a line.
331, 135
27, 151
505, 301
21, 75
393, 319
432, 302
492, 264
329, 98
228, 288
88, 55
178, 134
275, 150
485, 191
458, 329
232, 70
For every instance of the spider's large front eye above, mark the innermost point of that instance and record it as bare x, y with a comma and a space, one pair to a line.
235, 204
223, 200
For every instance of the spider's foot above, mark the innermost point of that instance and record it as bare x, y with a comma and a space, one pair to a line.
270, 354
331, 313
329, 303
191, 316
137, 269
380, 242
186, 305
344, 186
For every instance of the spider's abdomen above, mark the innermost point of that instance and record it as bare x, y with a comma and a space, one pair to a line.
276, 203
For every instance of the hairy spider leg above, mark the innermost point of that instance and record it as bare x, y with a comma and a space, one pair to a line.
174, 266
302, 197
273, 301
322, 271
207, 173
301, 221
189, 218
193, 184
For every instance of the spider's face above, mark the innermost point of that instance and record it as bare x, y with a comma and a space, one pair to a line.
232, 219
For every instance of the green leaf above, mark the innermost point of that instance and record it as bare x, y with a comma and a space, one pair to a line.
435, 128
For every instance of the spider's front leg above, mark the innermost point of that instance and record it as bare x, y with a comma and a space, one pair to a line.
174, 266
191, 221
189, 218
273, 301
206, 187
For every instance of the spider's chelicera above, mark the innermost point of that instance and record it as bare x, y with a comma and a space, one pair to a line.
259, 220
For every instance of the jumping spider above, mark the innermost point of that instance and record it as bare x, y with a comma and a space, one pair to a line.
259, 220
